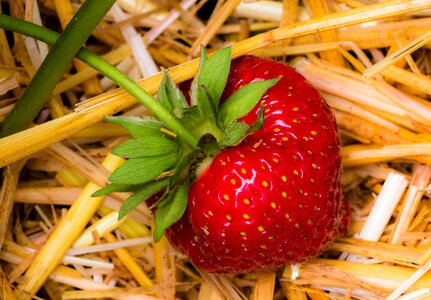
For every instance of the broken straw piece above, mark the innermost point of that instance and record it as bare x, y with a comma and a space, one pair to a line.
102, 226
155, 31
414, 295
409, 282
391, 193
143, 58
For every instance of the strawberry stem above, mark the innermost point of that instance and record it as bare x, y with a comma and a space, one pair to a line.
55, 64
105, 68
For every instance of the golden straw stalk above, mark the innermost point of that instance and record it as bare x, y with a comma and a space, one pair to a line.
130, 263
64, 235
7, 194
32, 140
6, 291
264, 288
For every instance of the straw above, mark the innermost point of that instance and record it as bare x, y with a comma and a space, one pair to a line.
37, 138
59, 239
399, 54
63, 236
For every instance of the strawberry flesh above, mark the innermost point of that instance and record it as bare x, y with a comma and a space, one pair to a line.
275, 198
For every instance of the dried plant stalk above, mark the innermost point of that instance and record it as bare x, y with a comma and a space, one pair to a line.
264, 288
319, 8
39, 137
420, 180
395, 253
399, 54
215, 23
366, 154
207, 292
130, 263
384, 123
63, 236
11, 177
6, 291
315, 271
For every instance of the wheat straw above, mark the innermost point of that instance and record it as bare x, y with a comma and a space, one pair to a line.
110, 246
105, 225
421, 178
35, 139
399, 54
140, 52
63, 236
391, 193
155, 31
10, 181
264, 288
384, 123
409, 282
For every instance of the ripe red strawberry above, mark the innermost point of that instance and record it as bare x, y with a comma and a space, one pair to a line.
252, 179
275, 198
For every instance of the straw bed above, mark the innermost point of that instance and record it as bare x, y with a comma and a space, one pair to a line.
370, 62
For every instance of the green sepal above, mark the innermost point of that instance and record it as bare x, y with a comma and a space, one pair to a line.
194, 87
258, 124
142, 194
170, 209
237, 131
114, 187
162, 95
138, 127
205, 104
234, 134
201, 119
142, 170
150, 146
214, 73
175, 96
171, 96
192, 118
242, 101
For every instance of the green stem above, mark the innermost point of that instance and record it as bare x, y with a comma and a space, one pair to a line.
105, 68
55, 64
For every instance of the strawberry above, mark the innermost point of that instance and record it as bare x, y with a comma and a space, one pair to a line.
261, 188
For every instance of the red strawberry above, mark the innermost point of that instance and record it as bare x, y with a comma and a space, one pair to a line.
275, 198
238, 190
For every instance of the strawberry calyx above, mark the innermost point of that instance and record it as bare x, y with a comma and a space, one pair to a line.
162, 162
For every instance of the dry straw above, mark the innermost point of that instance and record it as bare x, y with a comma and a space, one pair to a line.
371, 63
39, 137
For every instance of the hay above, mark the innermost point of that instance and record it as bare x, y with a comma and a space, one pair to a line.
371, 63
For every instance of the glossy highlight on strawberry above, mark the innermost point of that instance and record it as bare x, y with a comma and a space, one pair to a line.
275, 198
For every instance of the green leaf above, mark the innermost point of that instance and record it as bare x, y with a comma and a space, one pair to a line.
175, 96
242, 101
145, 147
162, 94
170, 210
142, 194
258, 124
234, 134
205, 104
195, 86
192, 118
114, 187
214, 73
142, 170
138, 127
237, 131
